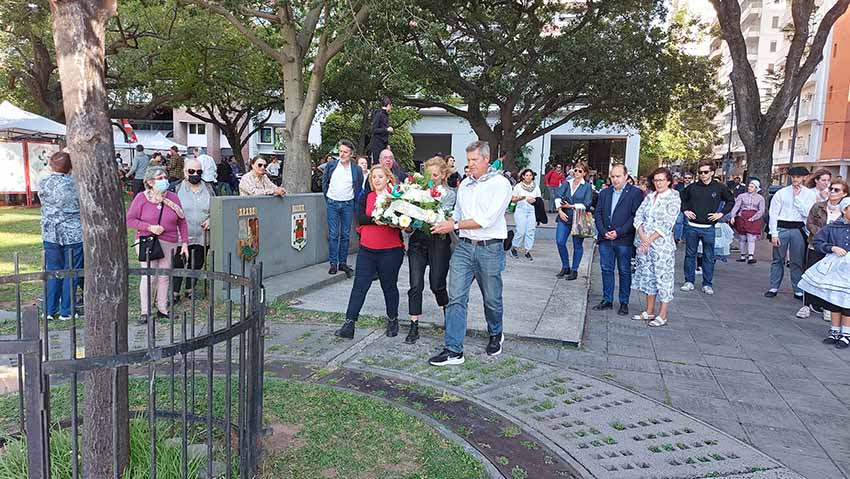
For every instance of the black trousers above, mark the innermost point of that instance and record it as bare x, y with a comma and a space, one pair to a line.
812, 257
138, 186
197, 256
433, 251
385, 262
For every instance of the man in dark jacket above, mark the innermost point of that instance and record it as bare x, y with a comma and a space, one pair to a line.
341, 185
381, 129
701, 204
615, 224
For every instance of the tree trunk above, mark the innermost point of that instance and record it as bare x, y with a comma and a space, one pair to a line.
296, 167
235, 140
760, 161
79, 28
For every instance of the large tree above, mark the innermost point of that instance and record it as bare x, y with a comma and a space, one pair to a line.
302, 36
518, 69
79, 34
759, 127
136, 82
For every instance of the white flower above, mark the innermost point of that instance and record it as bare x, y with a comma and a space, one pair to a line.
394, 219
404, 221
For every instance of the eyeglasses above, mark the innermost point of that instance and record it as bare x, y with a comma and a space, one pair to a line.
578, 171
704, 172
657, 180
260, 165
836, 190
194, 172
689, 177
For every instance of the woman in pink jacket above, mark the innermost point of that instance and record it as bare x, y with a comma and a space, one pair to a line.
158, 211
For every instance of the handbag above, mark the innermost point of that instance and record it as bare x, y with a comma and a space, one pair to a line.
149, 246
583, 224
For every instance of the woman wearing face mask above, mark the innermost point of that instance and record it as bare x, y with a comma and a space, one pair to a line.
195, 196
747, 220
158, 211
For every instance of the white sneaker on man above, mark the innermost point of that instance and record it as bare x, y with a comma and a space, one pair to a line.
688, 286
804, 312
708, 290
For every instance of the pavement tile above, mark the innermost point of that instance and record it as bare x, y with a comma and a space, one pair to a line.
702, 387
787, 441
630, 350
766, 414
639, 381
734, 364
633, 364
814, 467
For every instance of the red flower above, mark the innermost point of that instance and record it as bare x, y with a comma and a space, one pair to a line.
410, 179
435, 193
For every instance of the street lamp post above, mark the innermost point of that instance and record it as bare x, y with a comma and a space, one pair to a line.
794, 135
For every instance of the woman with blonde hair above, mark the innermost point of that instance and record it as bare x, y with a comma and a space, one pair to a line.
381, 252
431, 250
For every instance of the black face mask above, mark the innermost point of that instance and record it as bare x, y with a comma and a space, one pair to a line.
194, 179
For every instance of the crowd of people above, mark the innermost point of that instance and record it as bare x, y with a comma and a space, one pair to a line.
637, 225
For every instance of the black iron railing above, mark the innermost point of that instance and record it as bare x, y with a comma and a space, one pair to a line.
229, 330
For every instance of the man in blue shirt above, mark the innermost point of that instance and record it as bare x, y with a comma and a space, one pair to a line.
615, 218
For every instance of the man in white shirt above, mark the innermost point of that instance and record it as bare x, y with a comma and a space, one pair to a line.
479, 219
341, 183
789, 209
208, 165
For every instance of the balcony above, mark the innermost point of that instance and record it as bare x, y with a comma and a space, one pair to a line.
751, 11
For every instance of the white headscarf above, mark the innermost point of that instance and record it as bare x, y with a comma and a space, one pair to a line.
756, 183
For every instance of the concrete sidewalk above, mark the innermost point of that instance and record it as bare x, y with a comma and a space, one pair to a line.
537, 304
737, 360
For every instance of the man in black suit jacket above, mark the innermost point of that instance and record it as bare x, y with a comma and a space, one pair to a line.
615, 218
381, 130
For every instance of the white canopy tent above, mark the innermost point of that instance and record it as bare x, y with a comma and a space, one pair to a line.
152, 141
17, 123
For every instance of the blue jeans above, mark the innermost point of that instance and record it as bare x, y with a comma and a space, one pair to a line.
56, 257
562, 233
609, 254
340, 214
693, 236
679, 228
484, 264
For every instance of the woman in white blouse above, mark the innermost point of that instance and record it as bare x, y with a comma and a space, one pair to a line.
525, 193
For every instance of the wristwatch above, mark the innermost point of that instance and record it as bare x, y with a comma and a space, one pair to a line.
457, 225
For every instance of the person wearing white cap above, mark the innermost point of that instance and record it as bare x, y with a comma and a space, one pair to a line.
747, 220
789, 209
827, 281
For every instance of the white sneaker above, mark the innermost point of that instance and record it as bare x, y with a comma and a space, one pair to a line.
804, 312
827, 316
698, 271
688, 286
708, 290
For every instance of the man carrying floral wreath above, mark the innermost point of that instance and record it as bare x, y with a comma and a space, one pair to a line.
479, 219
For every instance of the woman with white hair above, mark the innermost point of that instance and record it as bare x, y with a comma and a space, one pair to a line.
747, 220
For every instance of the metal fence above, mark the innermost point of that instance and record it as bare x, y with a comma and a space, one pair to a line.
187, 363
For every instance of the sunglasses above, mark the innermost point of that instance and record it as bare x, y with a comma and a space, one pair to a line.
836, 190
260, 165
704, 172
194, 172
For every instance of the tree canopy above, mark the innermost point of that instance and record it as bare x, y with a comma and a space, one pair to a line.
519, 69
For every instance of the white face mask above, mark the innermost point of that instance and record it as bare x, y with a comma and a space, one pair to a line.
160, 185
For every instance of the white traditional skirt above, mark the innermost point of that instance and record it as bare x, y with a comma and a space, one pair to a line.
829, 280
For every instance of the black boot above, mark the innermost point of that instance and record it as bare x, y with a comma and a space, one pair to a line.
413, 333
392, 327
346, 330
564, 272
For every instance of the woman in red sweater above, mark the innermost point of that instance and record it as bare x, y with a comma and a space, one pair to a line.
381, 251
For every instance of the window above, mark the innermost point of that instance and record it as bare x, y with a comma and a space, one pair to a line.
781, 145
266, 135
775, 22
770, 68
829, 95
772, 46
197, 129
834, 50
826, 134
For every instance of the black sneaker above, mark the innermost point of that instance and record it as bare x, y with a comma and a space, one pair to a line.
333, 269
528, 257
603, 305
346, 330
742, 259
143, 319
412, 333
572, 276
161, 315
347, 270
514, 253
494, 347
392, 327
843, 342
751, 260
563, 272
833, 337
446, 358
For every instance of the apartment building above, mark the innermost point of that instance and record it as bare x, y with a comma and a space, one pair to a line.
835, 147
765, 25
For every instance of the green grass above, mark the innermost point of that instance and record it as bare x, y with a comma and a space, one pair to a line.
341, 435
318, 432
13, 457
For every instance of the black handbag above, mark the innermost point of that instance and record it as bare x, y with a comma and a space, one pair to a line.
149, 247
